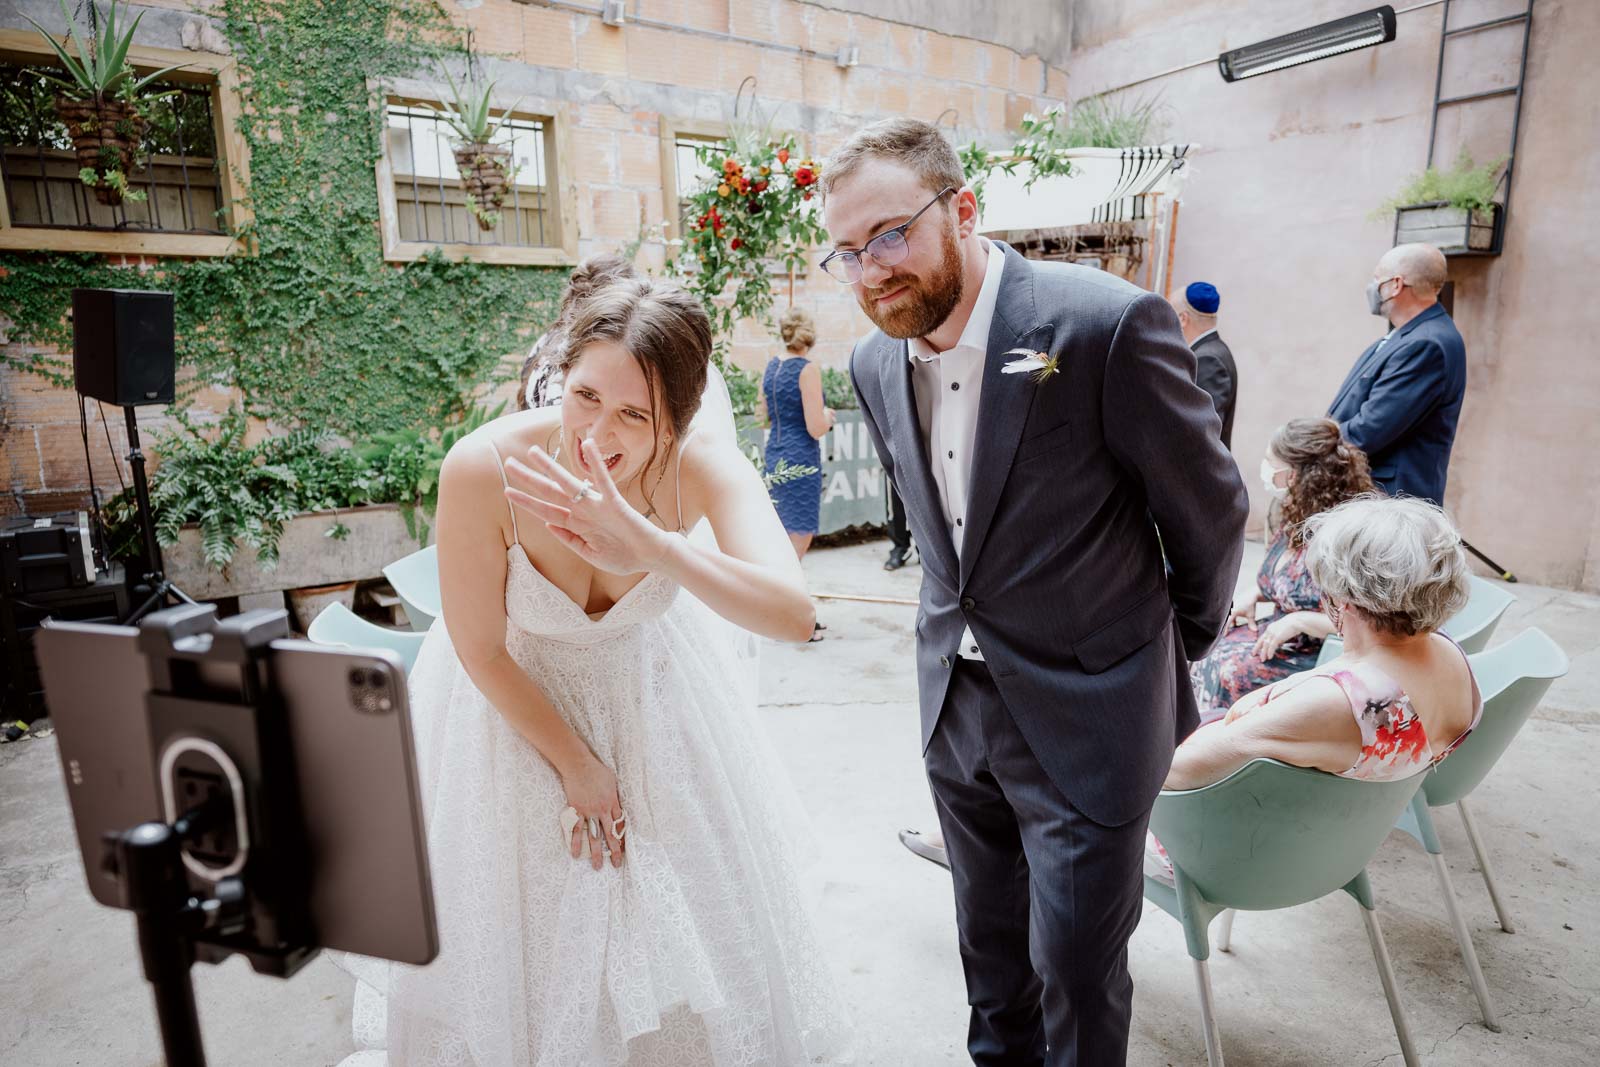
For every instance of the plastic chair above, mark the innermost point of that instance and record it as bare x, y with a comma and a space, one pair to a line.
1471, 626
416, 582
1273, 836
1513, 678
338, 625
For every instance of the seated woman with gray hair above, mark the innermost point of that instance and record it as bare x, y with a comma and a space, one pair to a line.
1402, 695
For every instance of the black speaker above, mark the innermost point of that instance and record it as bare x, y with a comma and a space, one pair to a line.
104, 600
122, 345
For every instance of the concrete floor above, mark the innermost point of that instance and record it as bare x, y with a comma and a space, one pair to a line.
1299, 988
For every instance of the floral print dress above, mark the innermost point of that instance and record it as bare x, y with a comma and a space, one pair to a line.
1231, 669
1394, 743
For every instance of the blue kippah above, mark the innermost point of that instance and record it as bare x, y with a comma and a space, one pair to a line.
1202, 296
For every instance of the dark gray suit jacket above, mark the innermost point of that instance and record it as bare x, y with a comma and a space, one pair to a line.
1061, 574
1217, 374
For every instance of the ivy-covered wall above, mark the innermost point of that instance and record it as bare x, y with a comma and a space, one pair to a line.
309, 324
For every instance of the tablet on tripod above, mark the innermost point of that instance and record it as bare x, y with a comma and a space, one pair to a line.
286, 767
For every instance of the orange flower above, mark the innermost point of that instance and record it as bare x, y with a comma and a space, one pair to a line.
723, 190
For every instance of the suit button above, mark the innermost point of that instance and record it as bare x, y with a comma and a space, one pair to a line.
967, 603
944, 661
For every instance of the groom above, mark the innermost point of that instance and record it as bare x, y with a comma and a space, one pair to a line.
1052, 644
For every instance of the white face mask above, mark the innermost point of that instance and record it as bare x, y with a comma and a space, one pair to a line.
1268, 473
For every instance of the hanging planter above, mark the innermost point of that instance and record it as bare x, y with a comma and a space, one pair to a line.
101, 100
486, 168
105, 135
485, 177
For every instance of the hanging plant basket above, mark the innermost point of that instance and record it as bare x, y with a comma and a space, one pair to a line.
105, 133
485, 176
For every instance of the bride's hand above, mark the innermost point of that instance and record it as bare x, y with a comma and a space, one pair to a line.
592, 791
599, 524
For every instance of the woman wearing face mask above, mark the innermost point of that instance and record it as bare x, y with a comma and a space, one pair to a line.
1308, 469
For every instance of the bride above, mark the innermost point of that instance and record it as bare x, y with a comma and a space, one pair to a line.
606, 823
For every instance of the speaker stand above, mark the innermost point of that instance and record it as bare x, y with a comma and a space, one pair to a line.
154, 584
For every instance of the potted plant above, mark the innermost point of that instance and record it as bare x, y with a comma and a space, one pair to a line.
1453, 209
485, 167
101, 101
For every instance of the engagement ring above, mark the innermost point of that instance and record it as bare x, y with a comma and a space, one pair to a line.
585, 492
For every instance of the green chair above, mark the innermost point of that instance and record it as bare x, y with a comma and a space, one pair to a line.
1273, 836
338, 625
416, 582
1471, 626
1512, 678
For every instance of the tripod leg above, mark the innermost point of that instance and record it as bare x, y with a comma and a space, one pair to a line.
1504, 575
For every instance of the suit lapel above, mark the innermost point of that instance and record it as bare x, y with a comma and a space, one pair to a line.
1004, 404
914, 480
1354, 375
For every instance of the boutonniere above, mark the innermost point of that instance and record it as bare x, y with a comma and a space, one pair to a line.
1039, 364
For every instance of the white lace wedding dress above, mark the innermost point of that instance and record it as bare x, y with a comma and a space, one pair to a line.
698, 950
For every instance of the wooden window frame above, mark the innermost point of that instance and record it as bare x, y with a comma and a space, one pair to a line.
562, 190
671, 130
203, 68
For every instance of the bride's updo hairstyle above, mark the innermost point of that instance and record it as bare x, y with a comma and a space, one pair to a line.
665, 330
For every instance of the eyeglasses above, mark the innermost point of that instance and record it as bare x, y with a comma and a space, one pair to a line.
887, 249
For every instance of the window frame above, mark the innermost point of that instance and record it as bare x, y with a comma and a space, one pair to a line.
670, 131
220, 73
557, 152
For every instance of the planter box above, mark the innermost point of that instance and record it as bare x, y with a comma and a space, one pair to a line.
1454, 231
307, 557
854, 489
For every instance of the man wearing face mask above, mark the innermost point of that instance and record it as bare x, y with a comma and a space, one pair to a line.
1402, 399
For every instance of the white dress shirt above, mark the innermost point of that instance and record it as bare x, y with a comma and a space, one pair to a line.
948, 386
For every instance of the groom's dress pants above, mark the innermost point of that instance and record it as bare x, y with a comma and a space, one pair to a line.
1046, 899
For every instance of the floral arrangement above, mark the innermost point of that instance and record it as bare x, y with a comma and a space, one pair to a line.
754, 213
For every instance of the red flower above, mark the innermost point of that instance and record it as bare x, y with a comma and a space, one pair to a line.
804, 176
807, 196
783, 156
760, 187
734, 244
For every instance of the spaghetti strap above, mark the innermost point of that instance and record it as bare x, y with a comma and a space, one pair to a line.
500, 465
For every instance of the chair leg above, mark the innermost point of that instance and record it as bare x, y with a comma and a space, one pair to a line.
1208, 1014
1483, 865
1225, 931
1480, 988
1380, 955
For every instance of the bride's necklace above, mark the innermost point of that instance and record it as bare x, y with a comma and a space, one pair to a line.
558, 433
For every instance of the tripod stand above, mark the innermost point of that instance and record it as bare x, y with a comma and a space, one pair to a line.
153, 585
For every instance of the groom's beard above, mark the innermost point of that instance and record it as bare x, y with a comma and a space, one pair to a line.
926, 304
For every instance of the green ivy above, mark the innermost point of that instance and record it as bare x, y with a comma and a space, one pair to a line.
311, 325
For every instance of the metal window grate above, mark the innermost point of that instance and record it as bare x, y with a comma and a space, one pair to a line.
430, 203
180, 178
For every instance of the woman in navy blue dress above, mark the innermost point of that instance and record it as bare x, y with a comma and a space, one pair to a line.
792, 405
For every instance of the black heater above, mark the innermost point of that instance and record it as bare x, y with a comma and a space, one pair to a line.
123, 354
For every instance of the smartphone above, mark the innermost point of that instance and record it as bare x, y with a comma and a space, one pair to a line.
356, 777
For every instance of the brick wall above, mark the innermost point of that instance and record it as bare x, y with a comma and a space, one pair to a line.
682, 59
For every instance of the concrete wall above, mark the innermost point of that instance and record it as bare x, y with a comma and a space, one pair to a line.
1276, 215
619, 84
1031, 27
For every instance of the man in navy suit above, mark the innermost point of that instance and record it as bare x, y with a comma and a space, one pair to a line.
1402, 399
1040, 421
